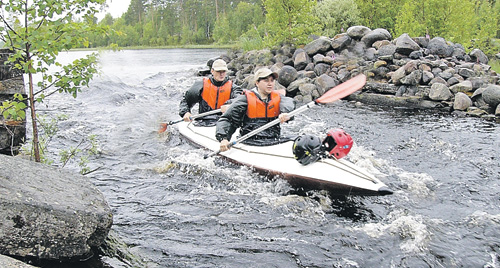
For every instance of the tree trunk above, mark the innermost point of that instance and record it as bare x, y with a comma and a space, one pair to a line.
36, 147
216, 10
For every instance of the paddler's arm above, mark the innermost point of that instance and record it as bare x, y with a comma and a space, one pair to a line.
287, 105
190, 98
230, 121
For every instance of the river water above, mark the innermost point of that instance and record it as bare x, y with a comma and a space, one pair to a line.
176, 209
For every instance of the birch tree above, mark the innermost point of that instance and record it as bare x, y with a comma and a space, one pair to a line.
36, 31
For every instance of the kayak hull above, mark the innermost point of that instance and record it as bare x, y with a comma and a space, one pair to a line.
339, 177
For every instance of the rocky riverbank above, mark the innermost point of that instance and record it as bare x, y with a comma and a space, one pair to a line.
408, 72
49, 214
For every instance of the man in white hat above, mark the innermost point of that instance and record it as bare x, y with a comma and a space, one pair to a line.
211, 93
254, 109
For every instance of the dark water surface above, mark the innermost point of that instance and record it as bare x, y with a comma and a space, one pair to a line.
177, 209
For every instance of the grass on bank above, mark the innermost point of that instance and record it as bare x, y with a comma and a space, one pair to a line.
495, 65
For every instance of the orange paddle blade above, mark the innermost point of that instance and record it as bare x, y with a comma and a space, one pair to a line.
343, 90
163, 127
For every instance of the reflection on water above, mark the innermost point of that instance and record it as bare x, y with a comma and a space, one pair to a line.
180, 210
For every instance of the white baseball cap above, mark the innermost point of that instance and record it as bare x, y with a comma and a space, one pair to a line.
219, 65
265, 72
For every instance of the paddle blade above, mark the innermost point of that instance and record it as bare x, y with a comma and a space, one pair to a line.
163, 128
343, 90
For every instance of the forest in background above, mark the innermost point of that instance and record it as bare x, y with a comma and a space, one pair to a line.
256, 24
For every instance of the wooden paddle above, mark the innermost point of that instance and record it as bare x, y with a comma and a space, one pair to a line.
163, 126
336, 93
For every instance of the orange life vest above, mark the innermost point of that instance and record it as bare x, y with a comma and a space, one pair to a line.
259, 109
215, 96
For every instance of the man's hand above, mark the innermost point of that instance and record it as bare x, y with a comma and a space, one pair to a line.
224, 145
284, 117
187, 117
224, 108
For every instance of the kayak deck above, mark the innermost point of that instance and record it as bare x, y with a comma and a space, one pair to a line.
337, 176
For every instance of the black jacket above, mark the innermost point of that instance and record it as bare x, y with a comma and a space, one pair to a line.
193, 96
236, 116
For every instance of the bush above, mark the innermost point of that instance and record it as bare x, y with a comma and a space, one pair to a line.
336, 15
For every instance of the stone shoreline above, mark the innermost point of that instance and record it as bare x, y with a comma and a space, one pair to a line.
405, 72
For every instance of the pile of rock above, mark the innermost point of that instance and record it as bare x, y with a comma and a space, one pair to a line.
12, 132
410, 72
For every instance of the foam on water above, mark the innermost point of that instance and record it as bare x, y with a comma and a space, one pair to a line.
412, 231
418, 184
481, 218
241, 180
177, 208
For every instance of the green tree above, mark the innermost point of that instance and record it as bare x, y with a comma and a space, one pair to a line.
222, 31
336, 15
252, 39
460, 22
135, 12
496, 10
245, 16
487, 22
420, 17
380, 13
230, 26
98, 40
289, 21
107, 20
149, 34
36, 32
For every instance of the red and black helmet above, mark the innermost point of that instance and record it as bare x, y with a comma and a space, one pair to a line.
337, 143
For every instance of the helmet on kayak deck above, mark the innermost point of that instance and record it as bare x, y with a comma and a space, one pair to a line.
306, 149
338, 143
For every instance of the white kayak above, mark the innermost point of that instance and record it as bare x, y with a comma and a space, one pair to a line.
337, 176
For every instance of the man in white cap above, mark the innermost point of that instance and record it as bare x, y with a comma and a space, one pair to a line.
211, 93
253, 109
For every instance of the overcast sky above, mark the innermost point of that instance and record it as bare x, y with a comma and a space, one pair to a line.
116, 8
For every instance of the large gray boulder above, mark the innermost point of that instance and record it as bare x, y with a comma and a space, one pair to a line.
386, 52
287, 75
9, 262
439, 46
49, 213
462, 102
478, 56
320, 45
340, 42
440, 92
376, 35
357, 32
464, 86
491, 95
405, 45
324, 83
300, 59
